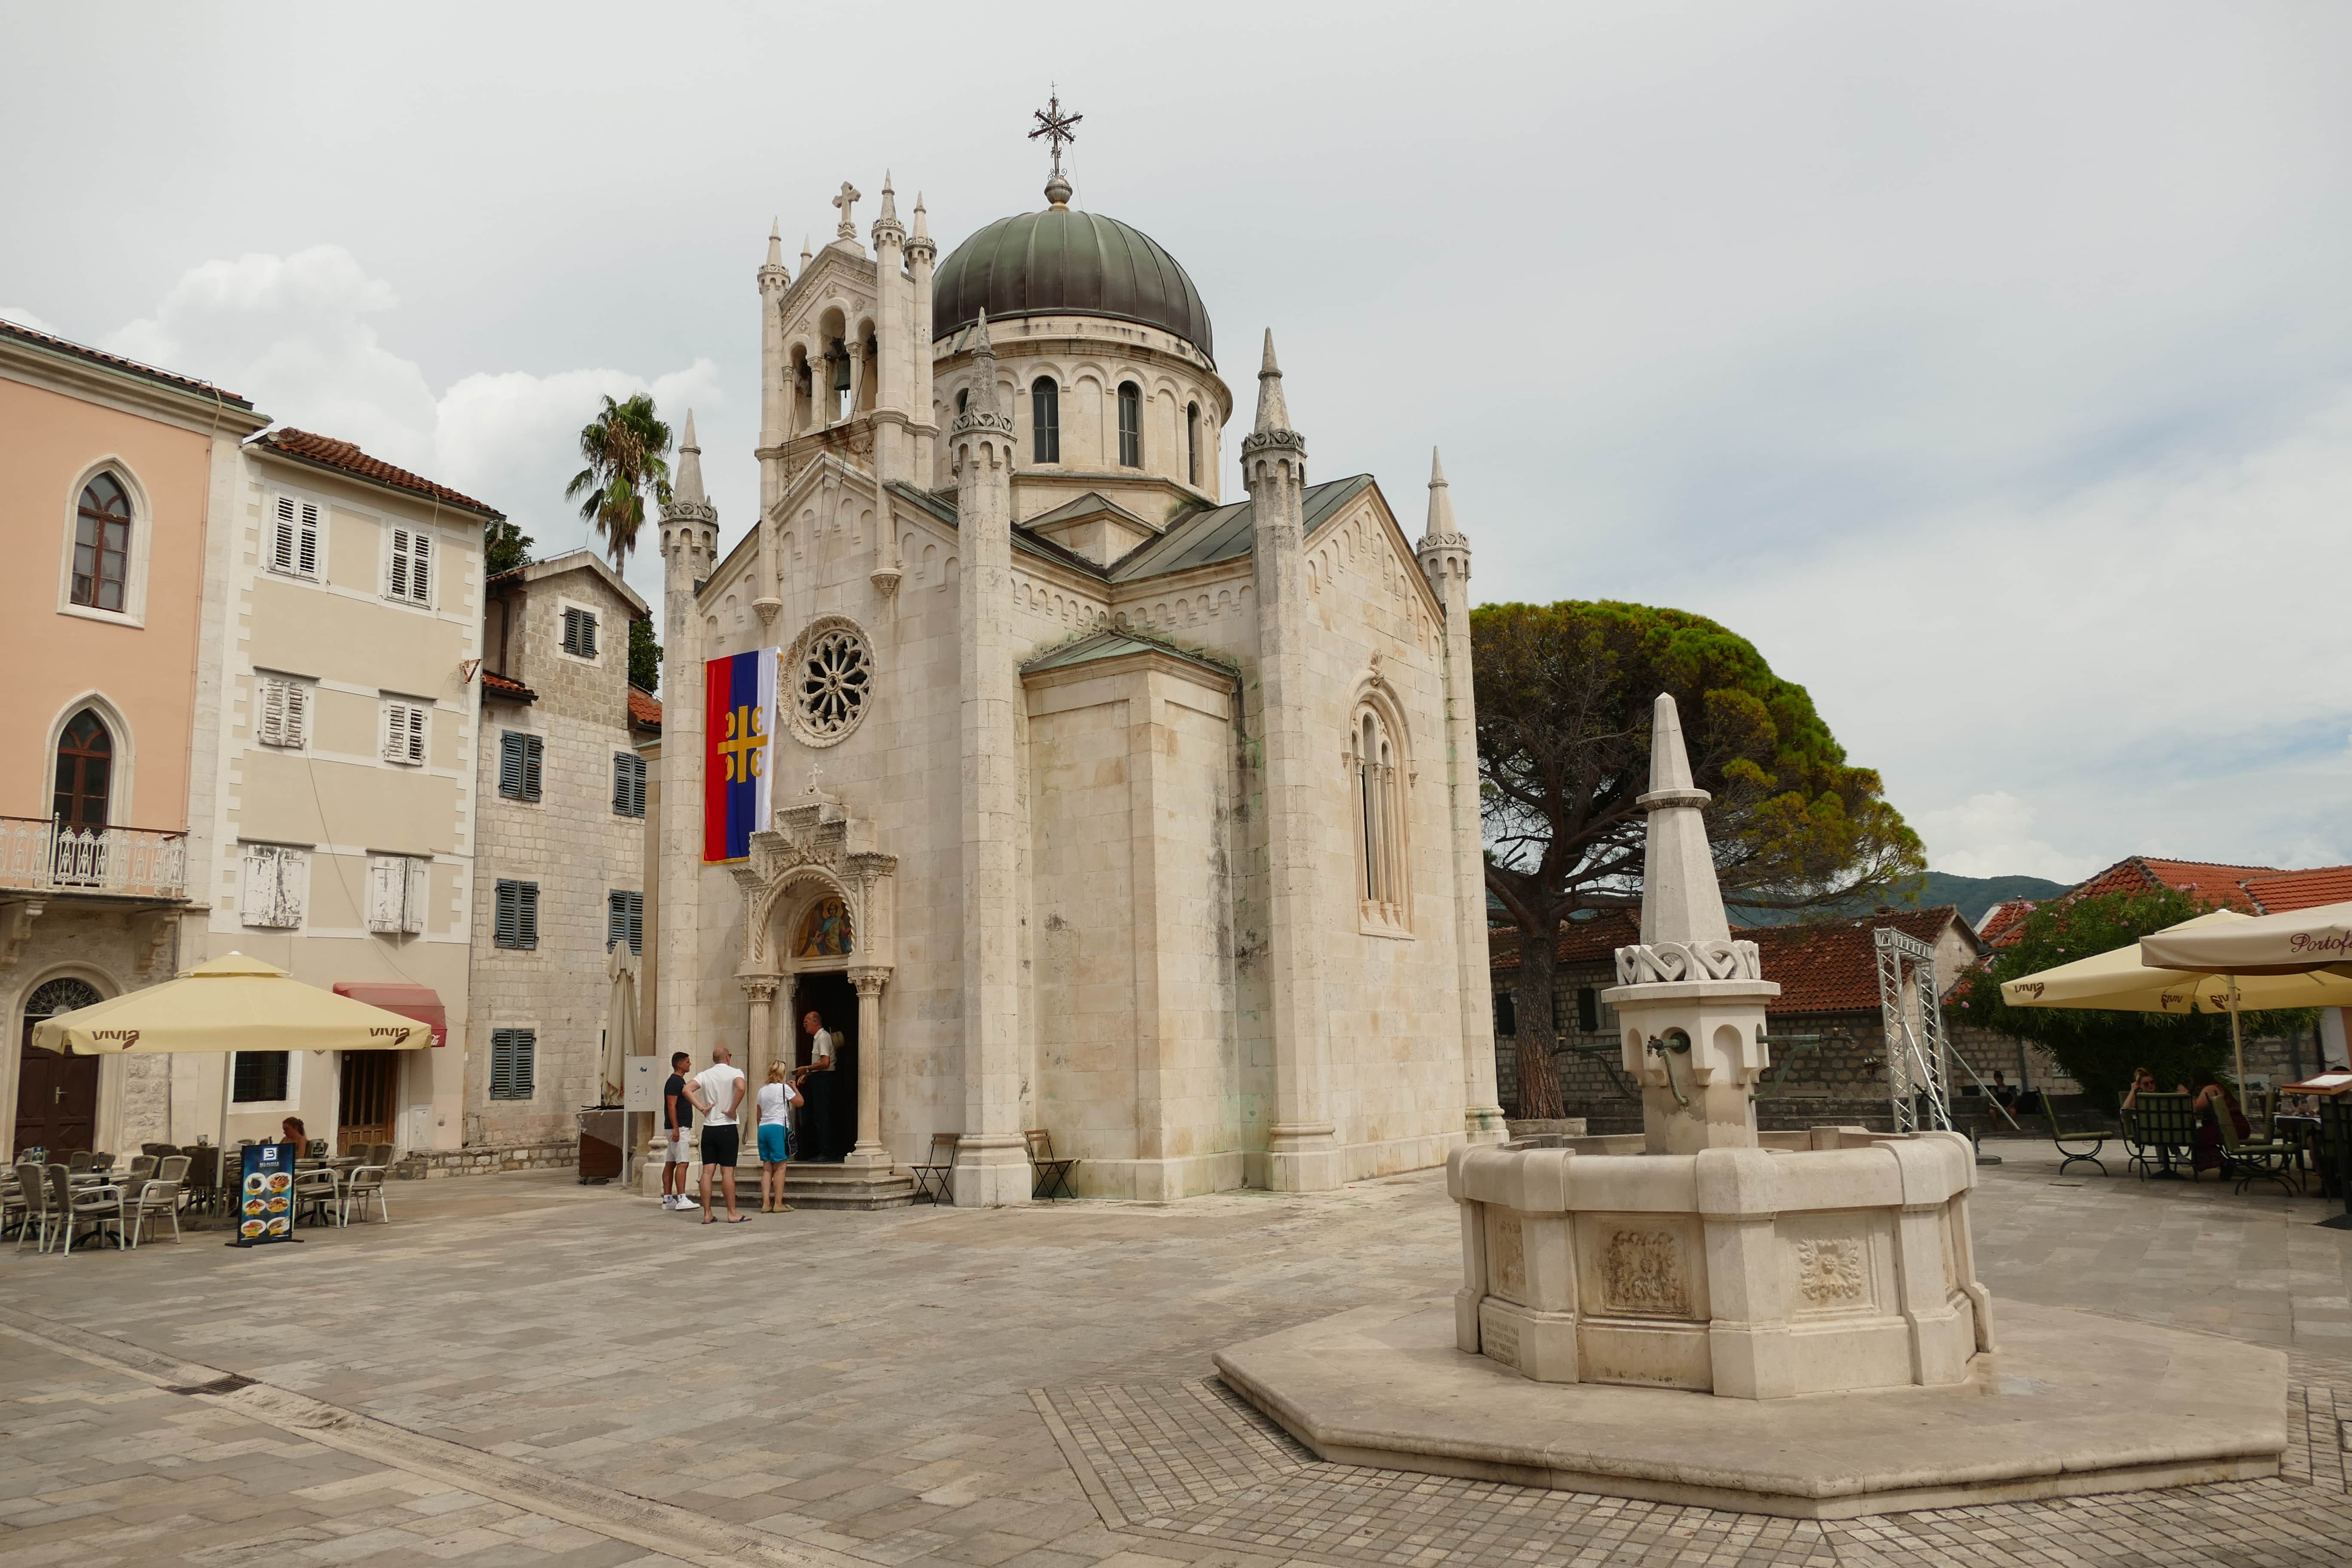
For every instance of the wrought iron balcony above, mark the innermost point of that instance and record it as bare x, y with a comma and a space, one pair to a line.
40, 856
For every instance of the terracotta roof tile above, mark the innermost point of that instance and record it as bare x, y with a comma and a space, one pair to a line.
644, 710
1831, 966
497, 684
2300, 890
1593, 940
326, 452
2005, 923
2212, 880
116, 362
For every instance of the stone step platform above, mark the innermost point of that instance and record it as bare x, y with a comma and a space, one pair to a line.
2069, 1404
813, 1186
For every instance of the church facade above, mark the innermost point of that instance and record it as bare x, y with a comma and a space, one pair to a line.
1098, 802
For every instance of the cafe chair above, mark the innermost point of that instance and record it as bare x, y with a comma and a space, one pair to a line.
153, 1200
316, 1193
364, 1184
73, 1207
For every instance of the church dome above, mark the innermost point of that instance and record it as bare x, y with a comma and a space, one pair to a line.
1061, 262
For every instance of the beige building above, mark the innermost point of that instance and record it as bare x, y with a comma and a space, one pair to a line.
1102, 804
333, 791
116, 482
560, 842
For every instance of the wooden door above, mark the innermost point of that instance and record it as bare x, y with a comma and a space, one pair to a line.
57, 1099
368, 1081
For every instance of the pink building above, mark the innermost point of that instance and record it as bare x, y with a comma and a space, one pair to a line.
112, 476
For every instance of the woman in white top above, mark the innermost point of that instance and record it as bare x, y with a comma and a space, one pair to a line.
777, 1096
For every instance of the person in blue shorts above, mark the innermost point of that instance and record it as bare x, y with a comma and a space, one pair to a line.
777, 1096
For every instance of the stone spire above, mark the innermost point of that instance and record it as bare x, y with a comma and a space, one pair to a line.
776, 244
687, 491
922, 225
1689, 998
1680, 901
1440, 531
806, 252
984, 409
1273, 413
888, 221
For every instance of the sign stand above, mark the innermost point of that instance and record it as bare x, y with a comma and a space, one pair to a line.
264, 1204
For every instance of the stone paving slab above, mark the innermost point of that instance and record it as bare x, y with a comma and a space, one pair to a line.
858, 1388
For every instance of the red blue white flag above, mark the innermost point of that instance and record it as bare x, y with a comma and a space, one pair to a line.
738, 731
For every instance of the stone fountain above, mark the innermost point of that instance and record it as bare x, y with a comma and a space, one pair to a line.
1776, 1322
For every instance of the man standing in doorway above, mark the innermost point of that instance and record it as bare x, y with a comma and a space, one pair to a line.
678, 1128
717, 1093
820, 1040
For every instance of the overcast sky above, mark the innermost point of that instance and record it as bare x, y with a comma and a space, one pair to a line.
1989, 365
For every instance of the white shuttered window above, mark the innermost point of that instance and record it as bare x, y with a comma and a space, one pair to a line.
285, 713
294, 537
405, 733
398, 888
275, 880
409, 575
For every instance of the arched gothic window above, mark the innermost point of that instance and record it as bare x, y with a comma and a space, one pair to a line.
963, 399
101, 570
1380, 823
1193, 442
85, 771
1045, 420
1130, 424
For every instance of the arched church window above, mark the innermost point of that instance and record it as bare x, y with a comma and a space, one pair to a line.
85, 771
828, 681
837, 361
65, 994
1130, 424
963, 399
824, 931
1045, 420
101, 545
1380, 823
1193, 442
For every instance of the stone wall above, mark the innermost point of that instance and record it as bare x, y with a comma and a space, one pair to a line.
488, 1159
112, 951
570, 841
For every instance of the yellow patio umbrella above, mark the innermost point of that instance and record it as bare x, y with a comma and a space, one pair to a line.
230, 1003
2119, 980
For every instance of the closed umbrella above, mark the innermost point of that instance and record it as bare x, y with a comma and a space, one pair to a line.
2121, 982
619, 1023
230, 1003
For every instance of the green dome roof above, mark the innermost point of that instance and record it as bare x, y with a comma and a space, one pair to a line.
1059, 262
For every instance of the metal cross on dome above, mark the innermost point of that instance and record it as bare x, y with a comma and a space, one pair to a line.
1055, 126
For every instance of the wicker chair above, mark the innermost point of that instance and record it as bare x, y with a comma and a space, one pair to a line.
72, 1208
364, 1184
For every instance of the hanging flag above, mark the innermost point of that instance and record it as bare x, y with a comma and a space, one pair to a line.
739, 712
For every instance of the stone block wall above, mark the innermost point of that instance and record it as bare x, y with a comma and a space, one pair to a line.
489, 1159
570, 841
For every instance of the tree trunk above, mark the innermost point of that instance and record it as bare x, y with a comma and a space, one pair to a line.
1537, 1040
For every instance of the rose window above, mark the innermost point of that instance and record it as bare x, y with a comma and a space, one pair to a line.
828, 677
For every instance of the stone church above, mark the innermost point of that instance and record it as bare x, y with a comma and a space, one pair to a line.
1101, 803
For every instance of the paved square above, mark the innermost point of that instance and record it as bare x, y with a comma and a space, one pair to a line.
519, 1370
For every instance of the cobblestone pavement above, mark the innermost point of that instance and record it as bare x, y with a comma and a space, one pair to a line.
524, 1370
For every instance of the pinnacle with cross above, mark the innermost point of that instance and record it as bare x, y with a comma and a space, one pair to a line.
850, 197
1054, 127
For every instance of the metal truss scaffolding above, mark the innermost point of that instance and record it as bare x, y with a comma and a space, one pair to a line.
1914, 1022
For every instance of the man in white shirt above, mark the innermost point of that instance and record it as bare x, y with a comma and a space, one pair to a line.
717, 1093
820, 1040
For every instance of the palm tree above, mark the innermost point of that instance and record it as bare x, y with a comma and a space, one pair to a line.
624, 448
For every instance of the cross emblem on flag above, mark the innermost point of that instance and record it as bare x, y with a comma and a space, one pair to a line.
739, 759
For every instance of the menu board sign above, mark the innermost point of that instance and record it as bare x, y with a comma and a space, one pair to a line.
265, 1208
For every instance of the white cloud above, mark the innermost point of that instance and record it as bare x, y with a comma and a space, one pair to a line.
296, 335
2149, 661
1990, 835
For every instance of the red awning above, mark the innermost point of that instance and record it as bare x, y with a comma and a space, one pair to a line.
421, 1002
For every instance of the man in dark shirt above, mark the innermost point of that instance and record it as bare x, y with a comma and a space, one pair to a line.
678, 1123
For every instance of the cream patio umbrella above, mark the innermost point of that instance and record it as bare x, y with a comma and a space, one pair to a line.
2295, 943
230, 1004
2119, 980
